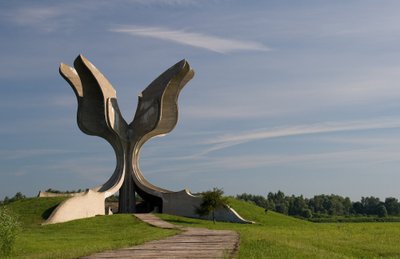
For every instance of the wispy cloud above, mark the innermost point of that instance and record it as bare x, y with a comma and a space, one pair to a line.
164, 2
95, 169
39, 17
362, 157
230, 140
50, 17
345, 158
199, 40
28, 153
229, 111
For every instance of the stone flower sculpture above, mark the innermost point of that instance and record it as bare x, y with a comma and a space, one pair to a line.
157, 114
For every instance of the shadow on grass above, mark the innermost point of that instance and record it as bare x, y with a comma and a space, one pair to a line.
46, 214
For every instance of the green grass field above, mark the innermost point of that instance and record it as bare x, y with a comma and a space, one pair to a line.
273, 236
75, 238
279, 236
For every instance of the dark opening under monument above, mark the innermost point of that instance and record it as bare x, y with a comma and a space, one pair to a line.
156, 114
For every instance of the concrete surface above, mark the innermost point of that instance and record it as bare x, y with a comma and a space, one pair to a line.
156, 115
192, 243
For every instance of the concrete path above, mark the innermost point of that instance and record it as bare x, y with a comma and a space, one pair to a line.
151, 219
191, 243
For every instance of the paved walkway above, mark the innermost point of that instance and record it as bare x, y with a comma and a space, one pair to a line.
191, 243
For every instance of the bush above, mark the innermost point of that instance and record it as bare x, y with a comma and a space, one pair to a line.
17, 196
381, 211
211, 201
9, 228
306, 213
354, 219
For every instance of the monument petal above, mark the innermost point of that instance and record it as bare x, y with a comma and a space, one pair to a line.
156, 114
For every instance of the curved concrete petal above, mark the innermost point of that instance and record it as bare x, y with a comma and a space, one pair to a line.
157, 114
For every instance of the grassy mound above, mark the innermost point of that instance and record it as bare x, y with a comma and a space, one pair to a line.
33, 211
257, 214
273, 236
278, 236
75, 238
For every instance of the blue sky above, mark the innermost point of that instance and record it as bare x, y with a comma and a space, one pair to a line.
298, 96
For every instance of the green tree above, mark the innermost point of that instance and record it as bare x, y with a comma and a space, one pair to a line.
381, 211
393, 206
9, 228
306, 213
17, 196
282, 208
371, 205
358, 208
257, 199
278, 202
211, 201
297, 205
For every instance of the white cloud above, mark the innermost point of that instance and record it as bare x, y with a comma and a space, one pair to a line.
89, 170
230, 111
42, 17
346, 158
226, 141
164, 2
49, 18
28, 153
199, 40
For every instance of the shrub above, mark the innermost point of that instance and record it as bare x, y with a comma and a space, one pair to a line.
306, 213
381, 211
211, 201
9, 228
17, 196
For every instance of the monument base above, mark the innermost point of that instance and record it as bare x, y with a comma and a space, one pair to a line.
91, 203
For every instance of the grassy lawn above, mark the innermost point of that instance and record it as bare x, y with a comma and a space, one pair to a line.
273, 236
279, 236
75, 238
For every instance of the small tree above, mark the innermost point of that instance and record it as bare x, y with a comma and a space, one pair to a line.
9, 227
281, 208
306, 213
17, 196
212, 200
392, 206
381, 211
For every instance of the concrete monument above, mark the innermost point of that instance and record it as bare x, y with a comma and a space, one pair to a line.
157, 114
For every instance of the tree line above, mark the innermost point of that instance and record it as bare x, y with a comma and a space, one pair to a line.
17, 196
321, 206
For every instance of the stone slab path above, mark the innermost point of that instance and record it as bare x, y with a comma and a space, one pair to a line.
191, 243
